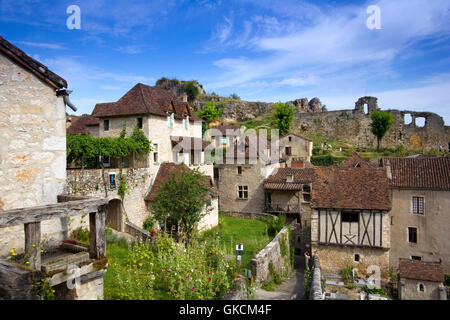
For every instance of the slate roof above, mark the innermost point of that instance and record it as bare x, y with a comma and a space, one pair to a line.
32, 65
189, 143
164, 172
277, 181
354, 160
79, 123
350, 188
421, 173
144, 99
420, 270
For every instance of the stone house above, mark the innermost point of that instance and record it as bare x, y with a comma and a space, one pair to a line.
224, 135
35, 212
350, 223
239, 177
33, 133
175, 133
420, 280
295, 147
419, 219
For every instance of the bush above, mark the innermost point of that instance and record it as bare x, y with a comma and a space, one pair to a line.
113, 238
185, 270
274, 224
347, 274
379, 291
447, 280
149, 223
81, 234
326, 160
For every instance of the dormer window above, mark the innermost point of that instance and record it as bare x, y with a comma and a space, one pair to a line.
290, 178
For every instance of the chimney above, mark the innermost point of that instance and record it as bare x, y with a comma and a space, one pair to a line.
388, 170
184, 97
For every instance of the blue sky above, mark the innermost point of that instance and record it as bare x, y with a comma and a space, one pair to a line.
262, 50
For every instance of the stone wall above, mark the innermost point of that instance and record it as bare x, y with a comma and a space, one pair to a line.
89, 182
353, 126
33, 148
433, 236
272, 253
315, 292
409, 290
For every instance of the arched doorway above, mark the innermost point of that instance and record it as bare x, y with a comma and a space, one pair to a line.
114, 215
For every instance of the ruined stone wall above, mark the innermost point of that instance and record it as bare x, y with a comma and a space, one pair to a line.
353, 126
409, 290
33, 148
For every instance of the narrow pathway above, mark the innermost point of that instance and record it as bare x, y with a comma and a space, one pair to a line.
290, 287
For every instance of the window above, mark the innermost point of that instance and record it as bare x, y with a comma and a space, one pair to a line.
239, 170
106, 161
216, 173
288, 151
392, 221
416, 258
357, 257
155, 153
290, 178
290, 139
184, 124
421, 287
417, 205
112, 180
106, 125
349, 216
139, 123
306, 193
306, 189
223, 140
243, 192
170, 121
306, 197
412, 235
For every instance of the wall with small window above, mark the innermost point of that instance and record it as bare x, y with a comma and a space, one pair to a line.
427, 212
411, 289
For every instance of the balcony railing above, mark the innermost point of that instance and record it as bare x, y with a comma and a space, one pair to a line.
282, 208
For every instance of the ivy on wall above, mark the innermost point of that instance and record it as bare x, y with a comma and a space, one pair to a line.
86, 150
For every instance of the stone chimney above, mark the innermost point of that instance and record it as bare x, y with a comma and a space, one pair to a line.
184, 97
388, 170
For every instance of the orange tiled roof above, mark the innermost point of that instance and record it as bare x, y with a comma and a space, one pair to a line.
421, 270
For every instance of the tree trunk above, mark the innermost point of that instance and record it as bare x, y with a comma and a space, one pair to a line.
378, 144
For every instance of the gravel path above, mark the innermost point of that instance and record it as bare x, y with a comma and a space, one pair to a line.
286, 290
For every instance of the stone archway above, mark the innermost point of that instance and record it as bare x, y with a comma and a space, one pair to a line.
114, 215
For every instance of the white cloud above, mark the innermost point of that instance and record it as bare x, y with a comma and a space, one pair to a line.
55, 46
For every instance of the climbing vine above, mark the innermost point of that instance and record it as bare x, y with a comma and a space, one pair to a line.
86, 149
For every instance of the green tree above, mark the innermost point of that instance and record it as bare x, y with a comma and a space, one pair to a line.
181, 199
235, 96
382, 121
210, 113
283, 117
191, 91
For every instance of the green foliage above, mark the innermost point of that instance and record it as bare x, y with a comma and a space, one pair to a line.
283, 246
181, 199
391, 274
210, 112
447, 280
268, 285
112, 238
274, 224
379, 291
43, 289
191, 91
170, 270
235, 96
87, 149
149, 223
283, 117
382, 121
350, 286
275, 276
347, 274
307, 282
327, 160
81, 234
122, 188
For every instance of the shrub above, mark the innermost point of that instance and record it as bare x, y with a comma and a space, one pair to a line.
447, 280
149, 223
347, 274
274, 224
379, 291
307, 282
113, 238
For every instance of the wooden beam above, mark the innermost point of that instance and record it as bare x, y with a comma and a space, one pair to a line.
97, 249
41, 213
33, 245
